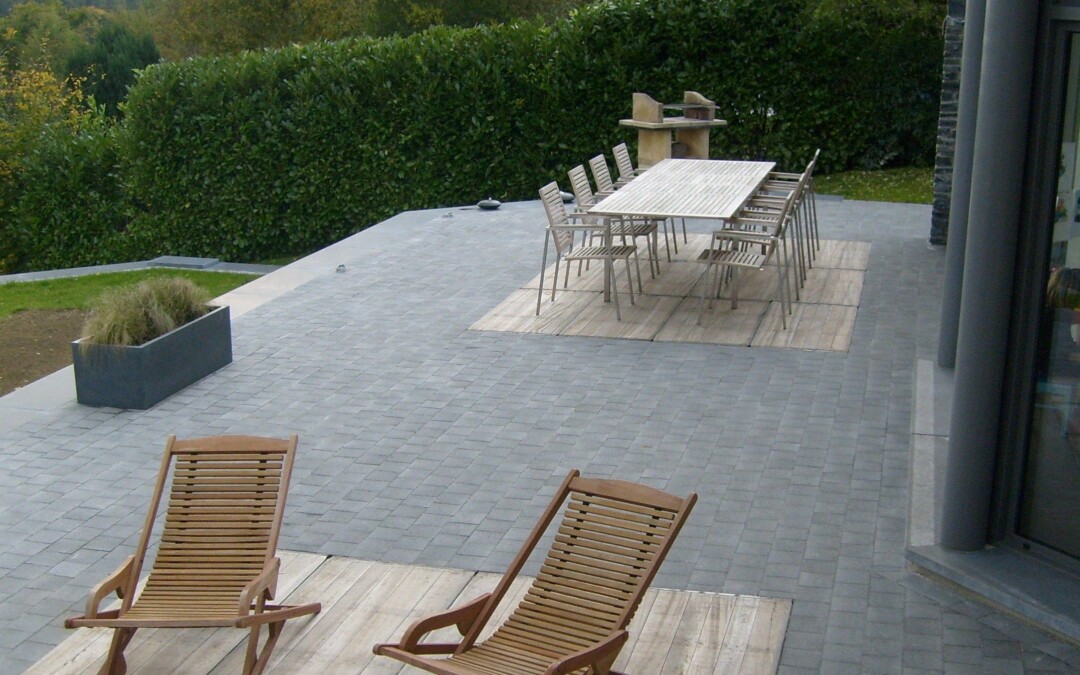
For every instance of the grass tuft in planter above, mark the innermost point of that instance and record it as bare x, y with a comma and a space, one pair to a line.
137, 314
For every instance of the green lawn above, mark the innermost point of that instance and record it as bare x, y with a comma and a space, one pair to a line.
79, 292
908, 184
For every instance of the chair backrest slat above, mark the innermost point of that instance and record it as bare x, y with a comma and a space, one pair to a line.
623, 162
224, 509
601, 174
579, 183
551, 197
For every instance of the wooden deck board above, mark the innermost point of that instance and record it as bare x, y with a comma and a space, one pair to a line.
640, 321
591, 279
831, 286
817, 327
720, 325
517, 313
368, 602
848, 255
676, 279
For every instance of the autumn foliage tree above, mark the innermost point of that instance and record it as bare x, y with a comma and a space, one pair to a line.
33, 102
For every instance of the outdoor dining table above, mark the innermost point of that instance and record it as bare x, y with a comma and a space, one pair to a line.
712, 189
687, 188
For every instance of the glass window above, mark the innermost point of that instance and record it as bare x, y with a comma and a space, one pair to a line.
1050, 497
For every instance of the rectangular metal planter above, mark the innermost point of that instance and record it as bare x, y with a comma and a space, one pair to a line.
140, 377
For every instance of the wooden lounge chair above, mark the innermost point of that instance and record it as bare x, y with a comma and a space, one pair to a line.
216, 563
612, 539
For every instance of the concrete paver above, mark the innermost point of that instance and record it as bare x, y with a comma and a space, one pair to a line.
424, 442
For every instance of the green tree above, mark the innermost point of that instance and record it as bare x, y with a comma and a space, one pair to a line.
109, 62
409, 16
46, 35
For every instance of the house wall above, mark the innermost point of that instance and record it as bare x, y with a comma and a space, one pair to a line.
946, 138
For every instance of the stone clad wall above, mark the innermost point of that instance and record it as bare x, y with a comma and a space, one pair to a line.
946, 140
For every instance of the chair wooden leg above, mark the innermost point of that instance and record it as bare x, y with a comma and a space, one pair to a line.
255, 661
115, 664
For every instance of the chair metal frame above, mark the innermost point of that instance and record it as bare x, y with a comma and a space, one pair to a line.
735, 249
620, 229
563, 232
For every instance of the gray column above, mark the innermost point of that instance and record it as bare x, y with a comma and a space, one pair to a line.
970, 70
993, 217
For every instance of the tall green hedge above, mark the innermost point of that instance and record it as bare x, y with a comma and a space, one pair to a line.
285, 151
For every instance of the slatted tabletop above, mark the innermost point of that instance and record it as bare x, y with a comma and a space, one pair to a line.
687, 188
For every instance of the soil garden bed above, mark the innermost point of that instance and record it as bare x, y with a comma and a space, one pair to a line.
34, 343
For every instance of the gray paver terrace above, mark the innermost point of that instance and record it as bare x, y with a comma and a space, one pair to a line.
424, 442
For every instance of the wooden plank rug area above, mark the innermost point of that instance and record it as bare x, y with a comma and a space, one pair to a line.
368, 602
667, 311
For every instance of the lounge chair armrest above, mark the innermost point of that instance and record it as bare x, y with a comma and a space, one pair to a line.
265, 582
462, 617
604, 652
114, 582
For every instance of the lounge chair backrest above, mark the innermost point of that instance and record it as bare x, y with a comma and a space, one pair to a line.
612, 539
563, 236
224, 512
601, 175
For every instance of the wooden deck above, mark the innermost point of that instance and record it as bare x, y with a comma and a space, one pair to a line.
368, 602
822, 319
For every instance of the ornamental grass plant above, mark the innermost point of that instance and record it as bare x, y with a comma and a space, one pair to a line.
135, 315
